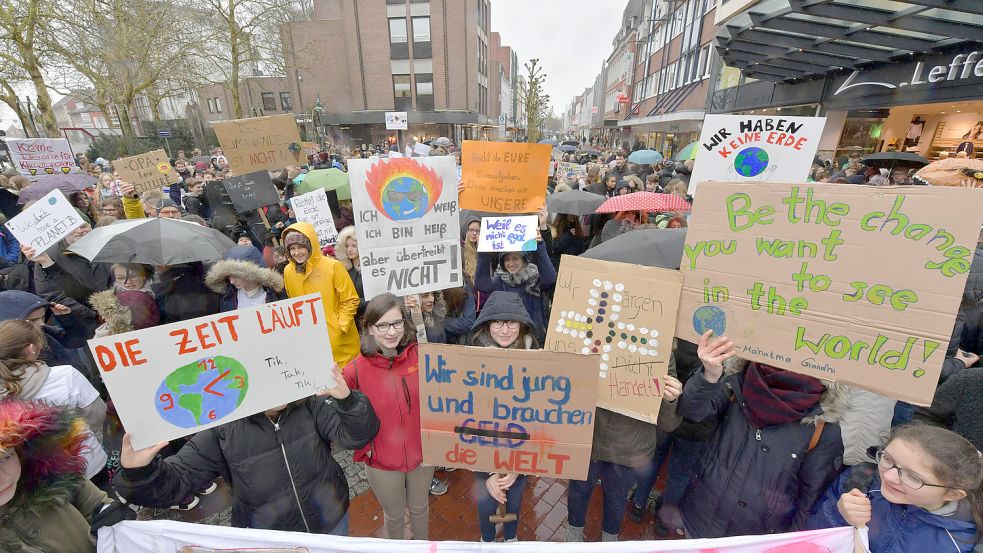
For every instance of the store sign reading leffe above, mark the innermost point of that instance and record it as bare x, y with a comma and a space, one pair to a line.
962, 66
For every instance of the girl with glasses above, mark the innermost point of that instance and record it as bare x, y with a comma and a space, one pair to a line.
386, 372
923, 494
503, 323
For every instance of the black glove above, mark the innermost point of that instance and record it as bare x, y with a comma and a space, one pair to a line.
108, 515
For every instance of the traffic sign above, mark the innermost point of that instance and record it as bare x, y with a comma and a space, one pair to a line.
164, 133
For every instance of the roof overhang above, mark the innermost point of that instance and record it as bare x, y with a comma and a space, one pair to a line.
792, 40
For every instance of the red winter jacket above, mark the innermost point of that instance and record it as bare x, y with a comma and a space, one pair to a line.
393, 388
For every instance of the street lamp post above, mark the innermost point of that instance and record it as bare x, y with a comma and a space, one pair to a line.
316, 112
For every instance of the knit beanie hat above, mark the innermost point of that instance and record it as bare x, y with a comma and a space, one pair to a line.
165, 202
296, 238
503, 306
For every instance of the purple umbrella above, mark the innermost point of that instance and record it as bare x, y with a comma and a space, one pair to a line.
72, 182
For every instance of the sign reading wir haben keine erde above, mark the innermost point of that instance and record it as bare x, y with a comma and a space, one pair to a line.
858, 284
407, 224
756, 148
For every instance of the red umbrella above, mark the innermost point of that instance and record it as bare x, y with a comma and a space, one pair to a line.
644, 201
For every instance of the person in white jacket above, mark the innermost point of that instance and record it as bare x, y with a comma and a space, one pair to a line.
23, 376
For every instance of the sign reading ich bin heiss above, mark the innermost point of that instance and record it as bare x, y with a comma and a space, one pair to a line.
407, 224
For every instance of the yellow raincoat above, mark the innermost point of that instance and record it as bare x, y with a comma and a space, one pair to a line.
329, 277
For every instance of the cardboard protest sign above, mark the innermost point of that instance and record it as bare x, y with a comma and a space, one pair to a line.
147, 171
311, 148
571, 171
251, 192
313, 208
504, 177
407, 224
184, 537
625, 312
421, 149
42, 156
177, 379
508, 234
47, 221
507, 410
271, 142
756, 148
850, 283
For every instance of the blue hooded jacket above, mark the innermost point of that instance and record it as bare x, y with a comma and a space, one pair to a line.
898, 528
17, 305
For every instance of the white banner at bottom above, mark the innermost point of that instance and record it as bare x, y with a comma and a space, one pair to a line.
166, 536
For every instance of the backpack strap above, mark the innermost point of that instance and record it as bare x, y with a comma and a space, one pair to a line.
816, 434
355, 364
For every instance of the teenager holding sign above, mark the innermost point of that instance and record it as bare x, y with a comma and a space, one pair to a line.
777, 448
385, 371
278, 464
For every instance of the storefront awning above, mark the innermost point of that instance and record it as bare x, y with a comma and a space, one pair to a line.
789, 40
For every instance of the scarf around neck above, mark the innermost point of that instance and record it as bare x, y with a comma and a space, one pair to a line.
774, 397
527, 277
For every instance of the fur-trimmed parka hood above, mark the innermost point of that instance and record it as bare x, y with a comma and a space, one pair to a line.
833, 403
218, 276
339, 249
119, 315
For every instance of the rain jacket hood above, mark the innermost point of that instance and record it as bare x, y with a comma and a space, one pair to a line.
327, 276
339, 250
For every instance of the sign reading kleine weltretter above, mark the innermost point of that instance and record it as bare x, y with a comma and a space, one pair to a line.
756, 148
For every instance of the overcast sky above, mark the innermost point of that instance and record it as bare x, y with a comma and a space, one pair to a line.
571, 38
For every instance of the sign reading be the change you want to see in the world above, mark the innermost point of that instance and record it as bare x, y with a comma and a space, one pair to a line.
851, 283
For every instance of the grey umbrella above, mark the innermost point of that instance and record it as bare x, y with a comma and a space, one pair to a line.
649, 247
442, 142
156, 241
574, 202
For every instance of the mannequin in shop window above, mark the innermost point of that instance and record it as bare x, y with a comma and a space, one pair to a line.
967, 144
914, 133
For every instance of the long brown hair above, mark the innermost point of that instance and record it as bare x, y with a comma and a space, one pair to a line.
955, 462
375, 310
15, 336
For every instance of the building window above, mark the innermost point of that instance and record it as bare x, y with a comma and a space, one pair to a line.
482, 57
424, 91
399, 48
421, 29
211, 105
269, 101
285, 102
421, 38
401, 93
397, 30
218, 105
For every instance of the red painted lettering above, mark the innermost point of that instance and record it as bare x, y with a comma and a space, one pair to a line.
184, 345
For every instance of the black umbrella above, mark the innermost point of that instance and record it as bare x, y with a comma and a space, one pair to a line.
574, 202
649, 247
571, 143
158, 241
890, 160
592, 152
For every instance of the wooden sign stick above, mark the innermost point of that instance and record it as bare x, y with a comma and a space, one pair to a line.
266, 223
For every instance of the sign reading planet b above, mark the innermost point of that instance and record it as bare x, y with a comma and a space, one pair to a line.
202, 392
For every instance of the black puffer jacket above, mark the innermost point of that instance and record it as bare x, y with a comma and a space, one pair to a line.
757, 481
181, 294
282, 475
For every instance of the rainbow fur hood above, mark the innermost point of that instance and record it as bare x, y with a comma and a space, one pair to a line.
49, 441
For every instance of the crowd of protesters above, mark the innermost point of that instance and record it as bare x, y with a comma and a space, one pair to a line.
746, 448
